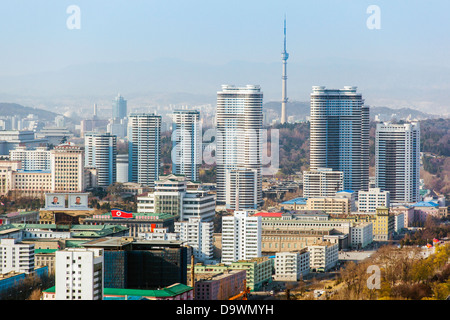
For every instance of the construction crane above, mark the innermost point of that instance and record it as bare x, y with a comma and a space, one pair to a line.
243, 294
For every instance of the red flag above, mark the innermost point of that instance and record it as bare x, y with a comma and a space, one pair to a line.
117, 213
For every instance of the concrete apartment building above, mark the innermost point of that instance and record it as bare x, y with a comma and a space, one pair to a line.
291, 266
79, 274
330, 205
258, 270
369, 201
198, 235
16, 257
220, 286
174, 195
322, 182
323, 256
241, 237
361, 235
67, 168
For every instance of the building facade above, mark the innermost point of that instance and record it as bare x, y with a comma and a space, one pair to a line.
369, 201
67, 168
241, 237
187, 143
119, 108
323, 182
100, 152
16, 257
242, 189
397, 160
31, 158
144, 148
339, 134
176, 196
198, 235
239, 119
79, 274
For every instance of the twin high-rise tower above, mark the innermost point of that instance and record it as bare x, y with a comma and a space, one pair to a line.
339, 134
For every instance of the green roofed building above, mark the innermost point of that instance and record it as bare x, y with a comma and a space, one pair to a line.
135, 222
176, 291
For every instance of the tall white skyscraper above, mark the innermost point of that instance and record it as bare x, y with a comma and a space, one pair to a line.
239, 138
339, 136
187, 143
79, 274
397, 160
144, 148
100, 152
241, 237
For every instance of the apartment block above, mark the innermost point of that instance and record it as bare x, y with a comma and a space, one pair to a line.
291, 266
79, 274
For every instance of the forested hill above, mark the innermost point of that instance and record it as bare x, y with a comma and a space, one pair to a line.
14, 109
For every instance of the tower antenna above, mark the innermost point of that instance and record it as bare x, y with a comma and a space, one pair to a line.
284, 57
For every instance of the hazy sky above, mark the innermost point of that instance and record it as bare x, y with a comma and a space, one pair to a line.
34, 35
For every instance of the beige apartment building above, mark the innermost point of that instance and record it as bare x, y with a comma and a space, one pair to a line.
67, 167
330, 205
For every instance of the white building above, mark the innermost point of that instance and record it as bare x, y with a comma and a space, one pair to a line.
100, 151
339, 134
187, 143
239, 119
322, 182
399, 222
323, 256
16, 256
79, 274
361, 235
144, 148
198, 235
241, 237
369, 201
178, 197
159, 234
32, 158
291, 266
397, 160
242, 189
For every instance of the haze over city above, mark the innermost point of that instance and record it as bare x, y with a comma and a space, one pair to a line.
181, 52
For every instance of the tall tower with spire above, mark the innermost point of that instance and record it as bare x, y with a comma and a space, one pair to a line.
284, 57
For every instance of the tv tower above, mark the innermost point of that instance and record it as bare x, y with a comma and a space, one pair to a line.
284, 57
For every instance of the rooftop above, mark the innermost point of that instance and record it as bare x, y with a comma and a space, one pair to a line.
296, 201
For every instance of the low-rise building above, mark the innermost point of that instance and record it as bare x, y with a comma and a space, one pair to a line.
323, 256
221, 286
291, 266
369, 201
361, 235
383, 225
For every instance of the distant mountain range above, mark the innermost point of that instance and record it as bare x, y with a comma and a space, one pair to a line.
301, 110
14, 109
173, 81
